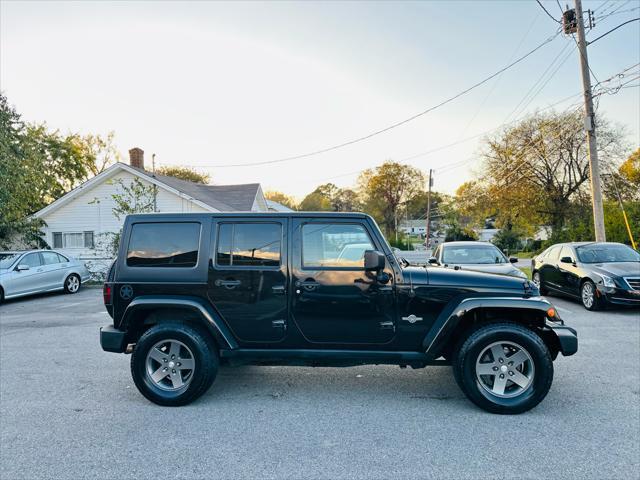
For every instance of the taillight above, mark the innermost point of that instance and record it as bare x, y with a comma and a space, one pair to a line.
106, 294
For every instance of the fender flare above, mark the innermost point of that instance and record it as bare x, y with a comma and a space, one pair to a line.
209, 318
450, 317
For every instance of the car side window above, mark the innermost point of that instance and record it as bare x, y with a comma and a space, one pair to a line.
334, 245
249, 244
566, 252
168, 244
50, 258
32, 260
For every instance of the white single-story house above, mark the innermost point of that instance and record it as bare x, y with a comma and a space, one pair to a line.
76, 221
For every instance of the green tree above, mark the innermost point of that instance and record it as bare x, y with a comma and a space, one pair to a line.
37, 166
282, 199
507, 239
315, 202
184, 173
386, 189
534, 170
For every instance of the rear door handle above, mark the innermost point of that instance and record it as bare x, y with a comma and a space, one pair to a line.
227, 283
278, 289
387, 326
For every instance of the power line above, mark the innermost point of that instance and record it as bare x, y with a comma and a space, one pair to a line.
394, 125
547, 12
612, 30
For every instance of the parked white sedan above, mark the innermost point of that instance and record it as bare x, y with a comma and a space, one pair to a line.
37, 271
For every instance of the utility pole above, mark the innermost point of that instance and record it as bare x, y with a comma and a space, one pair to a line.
590, 127
427, 242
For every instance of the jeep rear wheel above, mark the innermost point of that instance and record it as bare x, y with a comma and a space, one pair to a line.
173, 364
504, 368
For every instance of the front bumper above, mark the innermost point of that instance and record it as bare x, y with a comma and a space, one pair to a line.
567, 337
112, 339
620, 296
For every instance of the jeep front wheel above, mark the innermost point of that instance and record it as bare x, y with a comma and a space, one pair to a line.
173, 364
504, 368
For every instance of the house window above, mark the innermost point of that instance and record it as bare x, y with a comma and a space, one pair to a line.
73, 239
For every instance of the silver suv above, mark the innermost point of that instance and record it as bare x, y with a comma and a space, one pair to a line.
37, 271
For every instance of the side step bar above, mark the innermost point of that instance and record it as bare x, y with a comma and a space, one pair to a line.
270, 356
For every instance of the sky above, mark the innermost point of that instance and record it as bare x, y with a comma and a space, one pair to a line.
210, 84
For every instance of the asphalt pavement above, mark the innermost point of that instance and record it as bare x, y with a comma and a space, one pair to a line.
70, 410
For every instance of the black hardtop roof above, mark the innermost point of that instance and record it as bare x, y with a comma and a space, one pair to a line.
161, 216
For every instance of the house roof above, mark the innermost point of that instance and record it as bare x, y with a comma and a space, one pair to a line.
225, 198
222, 198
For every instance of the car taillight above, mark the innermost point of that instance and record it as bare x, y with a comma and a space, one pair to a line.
106, 294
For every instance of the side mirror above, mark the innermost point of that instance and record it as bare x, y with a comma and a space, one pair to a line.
374, 260
566, 260
22, 267
513, 259
432, 261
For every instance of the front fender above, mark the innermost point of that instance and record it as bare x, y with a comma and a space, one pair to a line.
208, 316
439, 334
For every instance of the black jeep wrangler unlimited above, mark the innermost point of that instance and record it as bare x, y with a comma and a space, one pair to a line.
189, 292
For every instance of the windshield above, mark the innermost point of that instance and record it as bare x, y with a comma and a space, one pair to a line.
607, 254
7, 259
476, 254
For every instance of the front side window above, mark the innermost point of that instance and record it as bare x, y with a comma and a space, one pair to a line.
249, 244
32, 260
164, 245
566, 252
334, 245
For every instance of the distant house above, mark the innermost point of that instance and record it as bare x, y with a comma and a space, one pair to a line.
413, 227
76, 221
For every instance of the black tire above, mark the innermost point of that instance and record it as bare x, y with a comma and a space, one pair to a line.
464, 365
596, 301
543, 291
72, 284
1, 295
205, 359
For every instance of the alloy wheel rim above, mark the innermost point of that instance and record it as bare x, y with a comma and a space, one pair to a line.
504, 370
170, 365
73, 284
587, 295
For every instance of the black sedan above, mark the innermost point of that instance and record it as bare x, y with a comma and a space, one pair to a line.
596, 273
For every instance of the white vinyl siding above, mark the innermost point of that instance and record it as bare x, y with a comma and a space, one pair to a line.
92, 211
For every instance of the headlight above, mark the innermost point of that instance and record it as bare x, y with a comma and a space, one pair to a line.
608, 281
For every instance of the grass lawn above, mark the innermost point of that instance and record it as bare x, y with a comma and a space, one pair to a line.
524, 254
527, 270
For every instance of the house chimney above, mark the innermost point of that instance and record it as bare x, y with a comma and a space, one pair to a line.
136, 158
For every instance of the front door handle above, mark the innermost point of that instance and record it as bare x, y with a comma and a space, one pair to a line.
307, 283
230, 284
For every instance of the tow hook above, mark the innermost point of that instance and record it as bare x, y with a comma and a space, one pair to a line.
130, 347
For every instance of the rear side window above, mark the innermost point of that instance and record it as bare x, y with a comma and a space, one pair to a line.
249, 244
51, 258
167, 244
